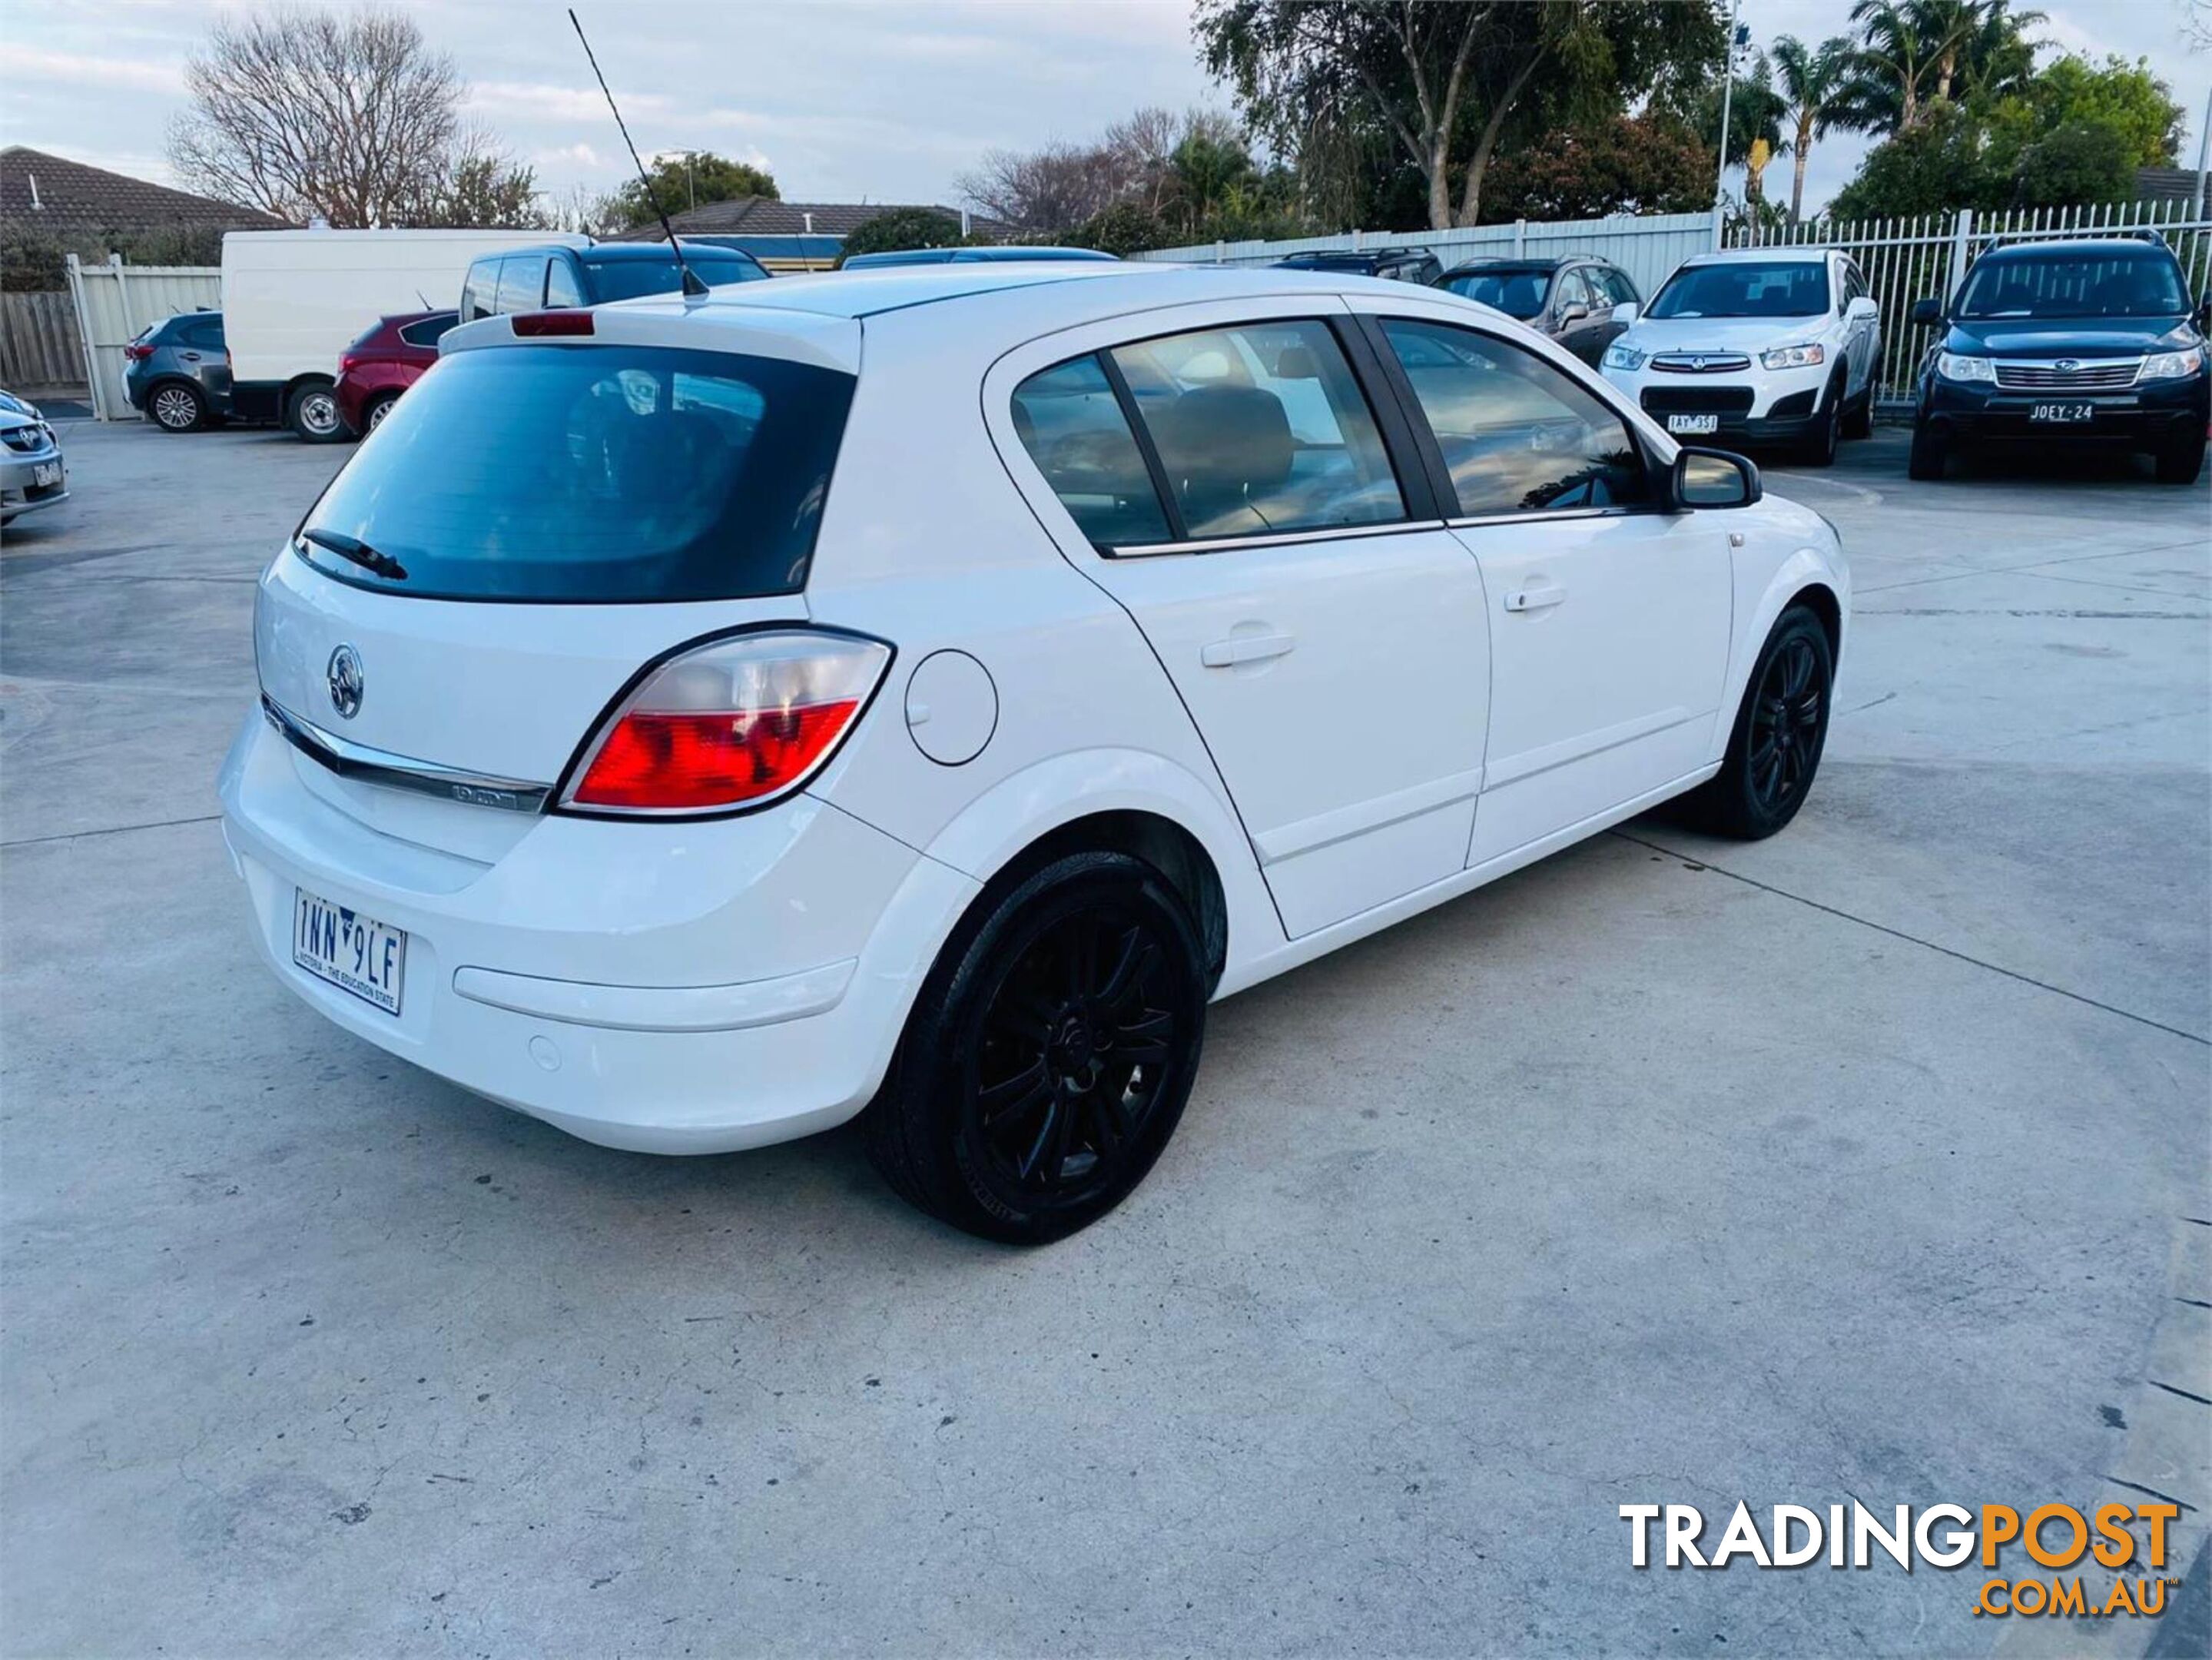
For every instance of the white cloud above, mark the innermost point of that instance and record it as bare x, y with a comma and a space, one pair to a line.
26, 63
519, 99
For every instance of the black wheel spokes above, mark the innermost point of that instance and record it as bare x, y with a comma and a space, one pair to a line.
1075, 1050
1785, 725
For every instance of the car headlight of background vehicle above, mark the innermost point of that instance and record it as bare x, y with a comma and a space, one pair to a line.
2172, 365
1793, 357
1619, 356
1952, 366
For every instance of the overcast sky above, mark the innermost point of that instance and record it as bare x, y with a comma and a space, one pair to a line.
842, 100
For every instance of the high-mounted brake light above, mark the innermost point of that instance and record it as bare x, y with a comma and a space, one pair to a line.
735, 723
539, 323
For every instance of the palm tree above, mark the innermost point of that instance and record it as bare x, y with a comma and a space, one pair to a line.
1913, 54
1816, 96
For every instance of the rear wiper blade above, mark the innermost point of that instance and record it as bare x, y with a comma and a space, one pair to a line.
353, 548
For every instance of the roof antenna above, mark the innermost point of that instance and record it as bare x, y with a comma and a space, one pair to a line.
693, 288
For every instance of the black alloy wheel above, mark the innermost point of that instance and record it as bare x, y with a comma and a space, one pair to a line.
1819, 449
1049, 1060
1781, 728
1787, 716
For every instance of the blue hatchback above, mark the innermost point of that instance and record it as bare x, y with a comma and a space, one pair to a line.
177, 372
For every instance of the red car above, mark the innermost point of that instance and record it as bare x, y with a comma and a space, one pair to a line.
386, 360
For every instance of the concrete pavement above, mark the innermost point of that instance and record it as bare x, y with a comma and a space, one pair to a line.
1851, 1164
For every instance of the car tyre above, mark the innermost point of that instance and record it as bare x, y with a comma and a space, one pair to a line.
373, 415
1858, 420
1819, 449
2183, 463
1049, 1057
312, 414
1781, 728
176, 406
1930, 453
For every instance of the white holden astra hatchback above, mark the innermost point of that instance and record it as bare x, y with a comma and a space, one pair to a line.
698, 723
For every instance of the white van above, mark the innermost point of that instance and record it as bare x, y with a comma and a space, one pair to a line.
293, 300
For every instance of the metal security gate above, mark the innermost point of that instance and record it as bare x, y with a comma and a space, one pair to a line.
1909, 260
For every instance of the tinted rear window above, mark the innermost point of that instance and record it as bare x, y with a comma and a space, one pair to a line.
591, 474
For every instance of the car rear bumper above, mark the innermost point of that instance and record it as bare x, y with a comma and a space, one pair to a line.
662, 988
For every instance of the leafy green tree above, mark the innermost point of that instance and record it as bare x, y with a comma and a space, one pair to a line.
1124, 229
1440, 85
1939, 164
1815, 84
681, 182
2126, 99
1629, 164
2072, 165
896, 229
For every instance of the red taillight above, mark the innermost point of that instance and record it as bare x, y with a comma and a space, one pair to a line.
734, 723
552, 322
137, 354
348, 363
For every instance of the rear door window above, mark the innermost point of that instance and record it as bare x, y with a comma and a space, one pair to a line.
522, 283
1517, 434
1072, 425
204, 334
562, 288
1261, 427
600, 474
480, 293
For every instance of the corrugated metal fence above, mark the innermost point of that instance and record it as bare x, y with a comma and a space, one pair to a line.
1647, 246
1909, 260
115, 300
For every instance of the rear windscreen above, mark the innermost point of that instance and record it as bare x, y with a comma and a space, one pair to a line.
588, 474
633, 279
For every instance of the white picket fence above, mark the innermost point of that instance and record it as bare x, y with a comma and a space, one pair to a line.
1647, 246
1909, 260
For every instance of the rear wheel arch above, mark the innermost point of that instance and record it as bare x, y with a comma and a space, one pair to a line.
1160, 841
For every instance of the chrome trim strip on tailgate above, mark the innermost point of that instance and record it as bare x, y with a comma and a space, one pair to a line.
374, 766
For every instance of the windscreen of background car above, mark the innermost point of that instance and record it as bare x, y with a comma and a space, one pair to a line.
591, 474
1516, 292
629, 279
2091, 285
1745, 289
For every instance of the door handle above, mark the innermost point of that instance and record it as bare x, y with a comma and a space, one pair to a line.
1536, 598
190, 357
1244, 649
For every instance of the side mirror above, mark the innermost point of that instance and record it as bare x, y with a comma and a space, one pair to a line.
1570, 315
1626, 313
1864, 307
2205, 312
1715, 479
1927, 314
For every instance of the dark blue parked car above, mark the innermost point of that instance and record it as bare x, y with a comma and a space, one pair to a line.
2088, 342
177, 372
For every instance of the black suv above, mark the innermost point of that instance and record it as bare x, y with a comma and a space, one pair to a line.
2081, 341
1398, 265
1581, 300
